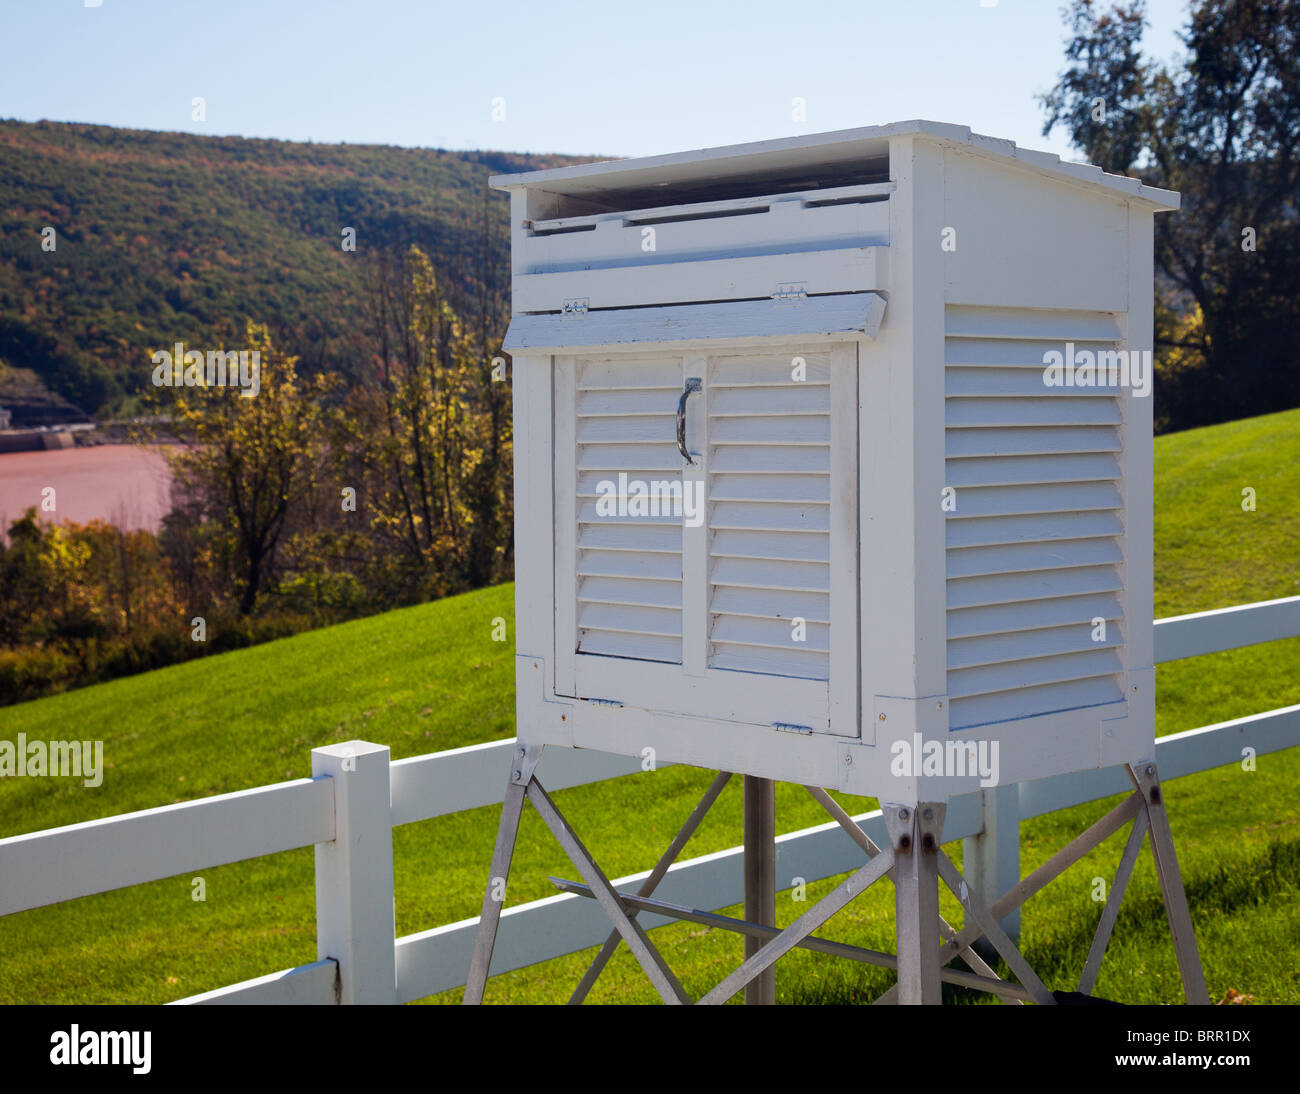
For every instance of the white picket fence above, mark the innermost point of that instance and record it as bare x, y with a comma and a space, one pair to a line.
356, 796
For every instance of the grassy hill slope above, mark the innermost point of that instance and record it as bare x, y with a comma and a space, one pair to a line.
430, 678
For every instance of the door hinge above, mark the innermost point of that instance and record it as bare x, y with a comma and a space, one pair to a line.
605, 702
574, 308
791, 292
790, 727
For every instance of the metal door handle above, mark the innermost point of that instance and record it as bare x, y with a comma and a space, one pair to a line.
693, 385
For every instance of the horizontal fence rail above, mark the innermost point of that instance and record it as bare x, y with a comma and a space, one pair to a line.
81, 859
46, 867
316, 984
441, 783
1183, 636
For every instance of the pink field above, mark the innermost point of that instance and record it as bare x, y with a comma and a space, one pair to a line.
123, 484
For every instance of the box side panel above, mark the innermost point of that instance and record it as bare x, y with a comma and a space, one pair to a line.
1015, 239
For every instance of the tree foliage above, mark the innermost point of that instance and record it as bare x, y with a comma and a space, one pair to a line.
428, 432
1221, 125
245, 464
165, 237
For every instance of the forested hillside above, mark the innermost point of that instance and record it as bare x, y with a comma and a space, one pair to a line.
165, 237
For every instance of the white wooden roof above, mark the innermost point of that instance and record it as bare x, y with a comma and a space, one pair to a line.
790, 158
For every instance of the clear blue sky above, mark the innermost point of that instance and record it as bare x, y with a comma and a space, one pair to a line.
580, 78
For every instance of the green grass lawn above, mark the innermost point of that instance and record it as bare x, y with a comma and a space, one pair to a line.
430, 678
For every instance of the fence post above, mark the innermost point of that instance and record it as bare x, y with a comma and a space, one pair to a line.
354, 874
991, 858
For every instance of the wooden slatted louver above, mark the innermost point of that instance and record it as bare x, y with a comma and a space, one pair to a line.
769, 515
727, 591
629, 564
1034, 546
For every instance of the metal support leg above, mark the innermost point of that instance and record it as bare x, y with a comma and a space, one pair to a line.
977, 963
914, 832
512, 808
760, 879
1066, 857
1171, 885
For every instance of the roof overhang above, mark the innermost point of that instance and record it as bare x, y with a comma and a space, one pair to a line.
792, 159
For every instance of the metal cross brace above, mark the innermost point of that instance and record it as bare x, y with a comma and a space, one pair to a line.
523, 783
814, 943
1100, 940
512, 808
652, 882
993, 931
814, 917
661, 976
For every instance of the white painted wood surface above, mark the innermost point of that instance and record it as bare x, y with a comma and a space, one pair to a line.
1013, 570
58, 864
531, 386
775, 225
354, 872
316, 985
745, 277
1231, 628
694, 327
449, 782
774, 436
1044, 259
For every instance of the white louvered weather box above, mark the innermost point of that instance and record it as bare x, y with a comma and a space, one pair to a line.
834, 446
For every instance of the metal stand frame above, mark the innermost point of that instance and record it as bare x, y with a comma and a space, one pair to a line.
914, 861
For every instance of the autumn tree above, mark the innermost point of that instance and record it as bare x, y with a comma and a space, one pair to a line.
246, 463
44, 590
428, 434
490, 493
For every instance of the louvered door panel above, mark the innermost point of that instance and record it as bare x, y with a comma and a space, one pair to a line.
1035, 551
750, 613
769, 488
629, 561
